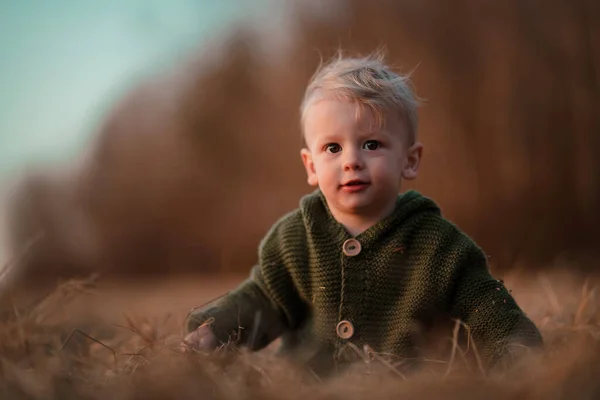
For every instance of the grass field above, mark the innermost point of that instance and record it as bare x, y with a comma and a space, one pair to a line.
99, 339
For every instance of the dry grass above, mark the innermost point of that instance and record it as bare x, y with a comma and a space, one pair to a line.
64, 348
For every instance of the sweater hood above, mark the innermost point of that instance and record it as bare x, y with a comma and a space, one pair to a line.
409, 205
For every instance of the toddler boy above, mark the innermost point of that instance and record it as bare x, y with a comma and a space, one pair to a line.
358, 263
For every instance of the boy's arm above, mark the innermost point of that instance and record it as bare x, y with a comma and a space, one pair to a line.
245, 316
267, 303
498, 326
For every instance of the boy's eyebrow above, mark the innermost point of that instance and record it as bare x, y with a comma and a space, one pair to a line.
333, 136
327, 136
371, 132
374, 132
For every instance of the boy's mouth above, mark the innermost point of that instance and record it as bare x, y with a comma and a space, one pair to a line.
355, 185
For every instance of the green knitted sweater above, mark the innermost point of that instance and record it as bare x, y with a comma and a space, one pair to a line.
412, 267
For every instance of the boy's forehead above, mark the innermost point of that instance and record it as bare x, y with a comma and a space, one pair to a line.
330, 116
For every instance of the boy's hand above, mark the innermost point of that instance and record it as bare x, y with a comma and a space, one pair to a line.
202, 339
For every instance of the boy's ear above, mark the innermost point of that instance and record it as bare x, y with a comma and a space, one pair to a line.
413, 160
309, 166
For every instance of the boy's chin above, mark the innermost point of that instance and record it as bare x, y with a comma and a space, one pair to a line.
366, 205
355, 203
356, 206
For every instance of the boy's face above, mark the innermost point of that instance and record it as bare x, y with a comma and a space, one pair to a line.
357, 165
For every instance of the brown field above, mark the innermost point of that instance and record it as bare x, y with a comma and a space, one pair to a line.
95, 339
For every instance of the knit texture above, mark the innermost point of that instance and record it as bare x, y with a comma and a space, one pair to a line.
412, 267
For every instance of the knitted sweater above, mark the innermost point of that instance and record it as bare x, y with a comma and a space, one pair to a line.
404, 271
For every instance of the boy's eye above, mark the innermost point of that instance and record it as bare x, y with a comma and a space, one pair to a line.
333, 148
371, 145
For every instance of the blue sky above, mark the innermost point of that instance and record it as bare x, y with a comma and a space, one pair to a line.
63, 62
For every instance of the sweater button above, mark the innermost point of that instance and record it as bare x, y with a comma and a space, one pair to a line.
351, 247
345, 329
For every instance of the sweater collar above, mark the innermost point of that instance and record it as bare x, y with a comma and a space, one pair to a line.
316, 211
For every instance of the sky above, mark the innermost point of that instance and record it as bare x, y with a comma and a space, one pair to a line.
64, 62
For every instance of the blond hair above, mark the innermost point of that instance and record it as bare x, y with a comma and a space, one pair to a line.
368, 82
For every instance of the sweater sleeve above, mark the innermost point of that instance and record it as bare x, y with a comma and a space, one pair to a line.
498, 326
260, 308
245, 316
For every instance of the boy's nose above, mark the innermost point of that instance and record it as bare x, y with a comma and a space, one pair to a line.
353, 160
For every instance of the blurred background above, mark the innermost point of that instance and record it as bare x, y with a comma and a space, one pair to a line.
156, 138
66, 62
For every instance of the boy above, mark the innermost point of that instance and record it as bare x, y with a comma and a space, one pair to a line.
358, 264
